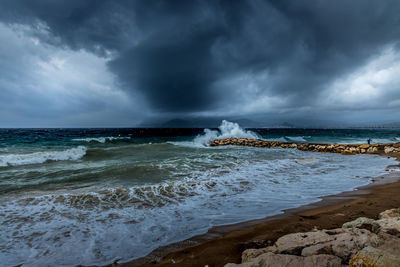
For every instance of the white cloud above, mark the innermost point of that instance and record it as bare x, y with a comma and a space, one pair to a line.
48, 86
375, 85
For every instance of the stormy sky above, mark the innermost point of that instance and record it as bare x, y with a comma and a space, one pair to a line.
103, 63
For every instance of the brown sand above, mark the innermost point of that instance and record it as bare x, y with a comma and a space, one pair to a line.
226, 243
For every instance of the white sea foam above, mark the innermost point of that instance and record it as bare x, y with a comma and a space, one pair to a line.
226, 129
295, 138
100, 139
41, 157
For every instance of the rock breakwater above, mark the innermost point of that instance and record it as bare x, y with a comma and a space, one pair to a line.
391, 149
362, 242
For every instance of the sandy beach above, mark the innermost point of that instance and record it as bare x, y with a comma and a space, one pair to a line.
225, 244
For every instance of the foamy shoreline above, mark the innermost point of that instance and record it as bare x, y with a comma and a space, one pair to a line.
346, 149
330, 212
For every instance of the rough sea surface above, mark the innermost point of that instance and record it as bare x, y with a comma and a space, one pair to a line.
90, 196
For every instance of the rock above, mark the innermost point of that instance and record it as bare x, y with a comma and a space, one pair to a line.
343, 244
250, 254
352, 149
388, 149
363, 223
372, 150
372, 257
388, 242
317, 250
294, 243
392, 213
364, 146
281, 260
389, 222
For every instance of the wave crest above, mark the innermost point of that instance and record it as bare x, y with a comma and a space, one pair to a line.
100, 139
226, 129
41, 157
295, 138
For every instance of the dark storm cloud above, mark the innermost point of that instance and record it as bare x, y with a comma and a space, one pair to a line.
176, 53
175, 65
174, 76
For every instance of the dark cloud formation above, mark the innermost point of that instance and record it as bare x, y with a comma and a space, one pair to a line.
174, 76
180, 55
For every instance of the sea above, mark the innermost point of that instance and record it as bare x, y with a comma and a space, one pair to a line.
93, 196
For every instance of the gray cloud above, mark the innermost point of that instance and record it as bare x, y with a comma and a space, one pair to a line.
42, 86
188, 57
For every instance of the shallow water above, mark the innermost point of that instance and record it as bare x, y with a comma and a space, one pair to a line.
92, 196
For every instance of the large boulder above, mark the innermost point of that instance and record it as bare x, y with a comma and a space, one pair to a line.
294, 243
372, 150
388, 149
364, 146
363, 223
389, 222
392, 213
345, 242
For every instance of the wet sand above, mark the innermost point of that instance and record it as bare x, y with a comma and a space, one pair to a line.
224, 244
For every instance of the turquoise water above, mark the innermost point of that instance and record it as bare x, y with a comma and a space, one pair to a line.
90, 196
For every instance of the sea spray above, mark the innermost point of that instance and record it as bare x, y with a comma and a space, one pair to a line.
226, 129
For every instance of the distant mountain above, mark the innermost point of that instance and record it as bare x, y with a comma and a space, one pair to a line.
215, 122
191, 123
285, 125
207, 123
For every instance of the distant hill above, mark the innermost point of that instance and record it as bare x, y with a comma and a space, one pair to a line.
191, 123
285, 125
215, 122
207, 123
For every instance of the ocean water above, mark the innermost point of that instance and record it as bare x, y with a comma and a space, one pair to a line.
91, 196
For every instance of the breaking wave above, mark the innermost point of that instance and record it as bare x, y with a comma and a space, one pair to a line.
295, 139
41, 157
100, 139
226, 129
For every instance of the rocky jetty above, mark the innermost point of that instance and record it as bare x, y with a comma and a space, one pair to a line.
363, 242
392, 149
